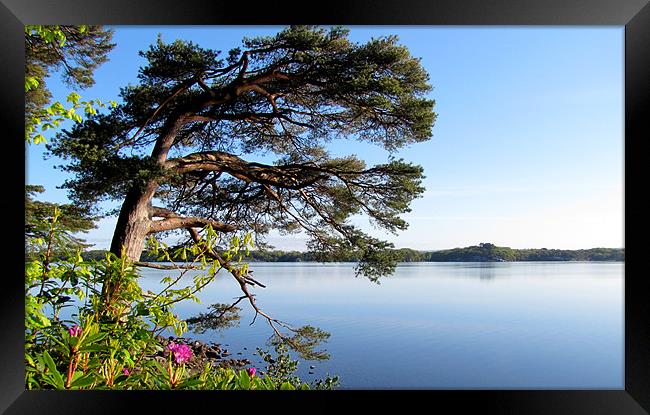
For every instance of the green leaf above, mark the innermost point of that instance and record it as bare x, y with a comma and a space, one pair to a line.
31, 83
287, 386
83, 381
37, 320
77, 375
160, 368
73, 97
29, 360
53, 371
95, 348
55, 340
95, 337
90, 110
244, 380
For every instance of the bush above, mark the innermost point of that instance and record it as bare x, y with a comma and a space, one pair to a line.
111, 342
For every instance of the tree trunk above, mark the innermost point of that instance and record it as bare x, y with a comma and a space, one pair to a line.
133, 222
130, 233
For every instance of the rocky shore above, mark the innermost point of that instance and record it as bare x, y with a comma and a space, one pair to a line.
202, 353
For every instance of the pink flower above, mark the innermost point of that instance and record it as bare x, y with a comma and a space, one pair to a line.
251, 371
182, 352
75, 331
126, 371
172, 346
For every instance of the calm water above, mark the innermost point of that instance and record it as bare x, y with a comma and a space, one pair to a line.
440, 325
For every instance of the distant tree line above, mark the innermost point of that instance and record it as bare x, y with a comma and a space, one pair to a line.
484, 252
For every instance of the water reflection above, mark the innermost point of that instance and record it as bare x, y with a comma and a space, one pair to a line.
487, 272
438, 325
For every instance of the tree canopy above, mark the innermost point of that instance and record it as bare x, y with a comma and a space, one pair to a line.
74, 52
184, 137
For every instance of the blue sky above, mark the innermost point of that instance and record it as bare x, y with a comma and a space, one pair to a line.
527, 150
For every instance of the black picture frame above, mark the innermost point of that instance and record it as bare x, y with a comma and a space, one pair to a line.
633, 14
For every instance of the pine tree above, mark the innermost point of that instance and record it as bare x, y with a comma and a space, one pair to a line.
177, 152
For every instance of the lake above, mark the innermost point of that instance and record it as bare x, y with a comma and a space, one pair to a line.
522, 325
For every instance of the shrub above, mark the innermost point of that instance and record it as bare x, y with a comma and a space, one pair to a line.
111, 342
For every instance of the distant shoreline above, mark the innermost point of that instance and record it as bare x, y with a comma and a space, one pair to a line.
484, 252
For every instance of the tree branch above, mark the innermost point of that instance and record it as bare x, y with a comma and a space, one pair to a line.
180, 88
155, 211
175, 221
285, 176
166, 267
188, 222
242, 285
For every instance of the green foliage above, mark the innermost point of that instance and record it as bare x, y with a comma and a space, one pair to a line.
111, 342
74, 51
282, 368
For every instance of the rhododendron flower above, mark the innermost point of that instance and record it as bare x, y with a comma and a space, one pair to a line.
126, 371
75, 331
251, 371
182, 352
